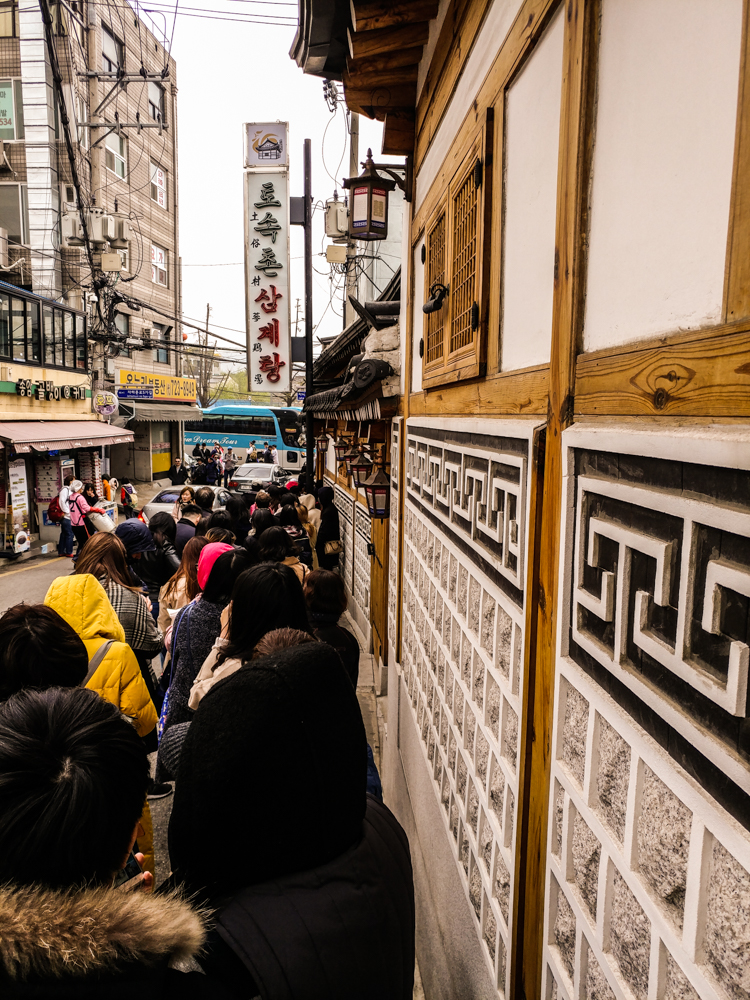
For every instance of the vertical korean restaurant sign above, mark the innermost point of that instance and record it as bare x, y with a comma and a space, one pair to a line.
267, 305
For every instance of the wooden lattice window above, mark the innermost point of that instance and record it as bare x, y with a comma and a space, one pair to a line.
464, 263
435, 273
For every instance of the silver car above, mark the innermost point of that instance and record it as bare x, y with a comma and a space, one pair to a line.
243, 477
165, 500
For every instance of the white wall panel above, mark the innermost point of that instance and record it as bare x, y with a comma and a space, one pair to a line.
532, 140
665, 129
489, 41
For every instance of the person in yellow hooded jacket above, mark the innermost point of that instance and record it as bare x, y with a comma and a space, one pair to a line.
83, 603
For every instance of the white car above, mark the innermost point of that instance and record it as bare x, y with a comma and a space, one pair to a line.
165, 500
244, 476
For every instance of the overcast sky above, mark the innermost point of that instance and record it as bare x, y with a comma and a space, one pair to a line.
227, 74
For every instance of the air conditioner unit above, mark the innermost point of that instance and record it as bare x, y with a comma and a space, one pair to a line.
337, 221
120, 240
71, 230
101, 227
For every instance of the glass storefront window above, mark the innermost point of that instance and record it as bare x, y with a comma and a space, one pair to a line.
49, 335
33, 345
19, 329
80, 343
4, 326
58, 338
70, 341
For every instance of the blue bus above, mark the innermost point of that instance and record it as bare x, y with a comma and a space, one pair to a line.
235, 425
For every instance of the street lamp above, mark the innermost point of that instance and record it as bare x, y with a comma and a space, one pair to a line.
368, 207
340, 449
361, 468
349, 457
378, 494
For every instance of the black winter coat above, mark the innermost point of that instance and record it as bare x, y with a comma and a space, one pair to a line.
342, 931
155, 568
342, 641
328, 531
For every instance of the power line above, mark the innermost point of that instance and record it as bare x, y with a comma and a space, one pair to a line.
233, 20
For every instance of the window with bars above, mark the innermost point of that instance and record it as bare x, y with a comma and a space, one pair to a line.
435, 275
455, 255
464, 263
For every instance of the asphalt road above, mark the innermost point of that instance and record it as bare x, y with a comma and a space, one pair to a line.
29, 581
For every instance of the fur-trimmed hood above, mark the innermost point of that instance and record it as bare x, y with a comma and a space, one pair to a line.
55, 934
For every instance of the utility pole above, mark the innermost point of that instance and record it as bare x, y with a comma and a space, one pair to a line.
296, 321
95, 151
350, 285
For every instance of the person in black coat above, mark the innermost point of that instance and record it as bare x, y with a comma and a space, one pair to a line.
185, 527
75, 775
312, 885
151, 553
178, 474
326, 603
329, 530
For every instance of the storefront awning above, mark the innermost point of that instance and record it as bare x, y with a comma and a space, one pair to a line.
53, 435
164, 412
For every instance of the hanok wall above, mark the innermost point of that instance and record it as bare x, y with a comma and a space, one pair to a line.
569, 577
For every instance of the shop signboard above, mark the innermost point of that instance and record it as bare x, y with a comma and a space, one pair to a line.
266, 144
105, 403
45, 389
267, 305
160, 388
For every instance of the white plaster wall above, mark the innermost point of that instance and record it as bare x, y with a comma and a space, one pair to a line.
532, 142
402, 316
488, 43
667, 106
417, 316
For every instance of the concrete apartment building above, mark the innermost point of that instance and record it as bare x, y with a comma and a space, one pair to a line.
128, 172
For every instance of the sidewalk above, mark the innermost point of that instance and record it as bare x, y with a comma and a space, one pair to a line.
145, 491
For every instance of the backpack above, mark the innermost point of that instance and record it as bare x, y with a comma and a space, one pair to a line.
55, 513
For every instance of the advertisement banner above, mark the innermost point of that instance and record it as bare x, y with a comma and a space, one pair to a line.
147, 385
267, 302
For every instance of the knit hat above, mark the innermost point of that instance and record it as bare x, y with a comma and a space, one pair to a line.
209, 554
76, 486
276, 756
135, 536
325, 495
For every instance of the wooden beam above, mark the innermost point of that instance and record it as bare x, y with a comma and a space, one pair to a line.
502, 394
576, 120
365, 44
381, 99
737, 270
404, 76
370, 16
701, 373
386, 62
398, 133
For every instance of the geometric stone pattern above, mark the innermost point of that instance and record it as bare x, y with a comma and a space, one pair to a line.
648, 883
462, 655
658, 584
654, 907
393, 524
361, 582
343, 502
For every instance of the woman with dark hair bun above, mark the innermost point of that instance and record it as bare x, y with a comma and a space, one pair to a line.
290, 522
265, 598
277, 545
326, 603
261, 520
27, 634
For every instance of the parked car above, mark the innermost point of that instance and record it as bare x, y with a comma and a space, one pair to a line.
257, 472
165, 500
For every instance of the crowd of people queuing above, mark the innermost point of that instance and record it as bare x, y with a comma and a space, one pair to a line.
211, 638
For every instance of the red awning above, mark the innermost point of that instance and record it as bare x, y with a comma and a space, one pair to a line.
53, 435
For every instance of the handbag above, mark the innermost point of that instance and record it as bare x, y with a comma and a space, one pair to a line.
334, 548
161, 724
101, 522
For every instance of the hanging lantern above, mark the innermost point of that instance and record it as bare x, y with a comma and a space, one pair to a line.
368, 205
351, 456
361, 468
378, 493
322, 443
340, 449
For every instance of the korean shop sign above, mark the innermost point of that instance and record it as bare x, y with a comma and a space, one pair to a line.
147, 385
46, 390
266, 144
267, 303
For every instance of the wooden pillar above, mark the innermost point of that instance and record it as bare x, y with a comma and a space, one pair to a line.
579, 73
